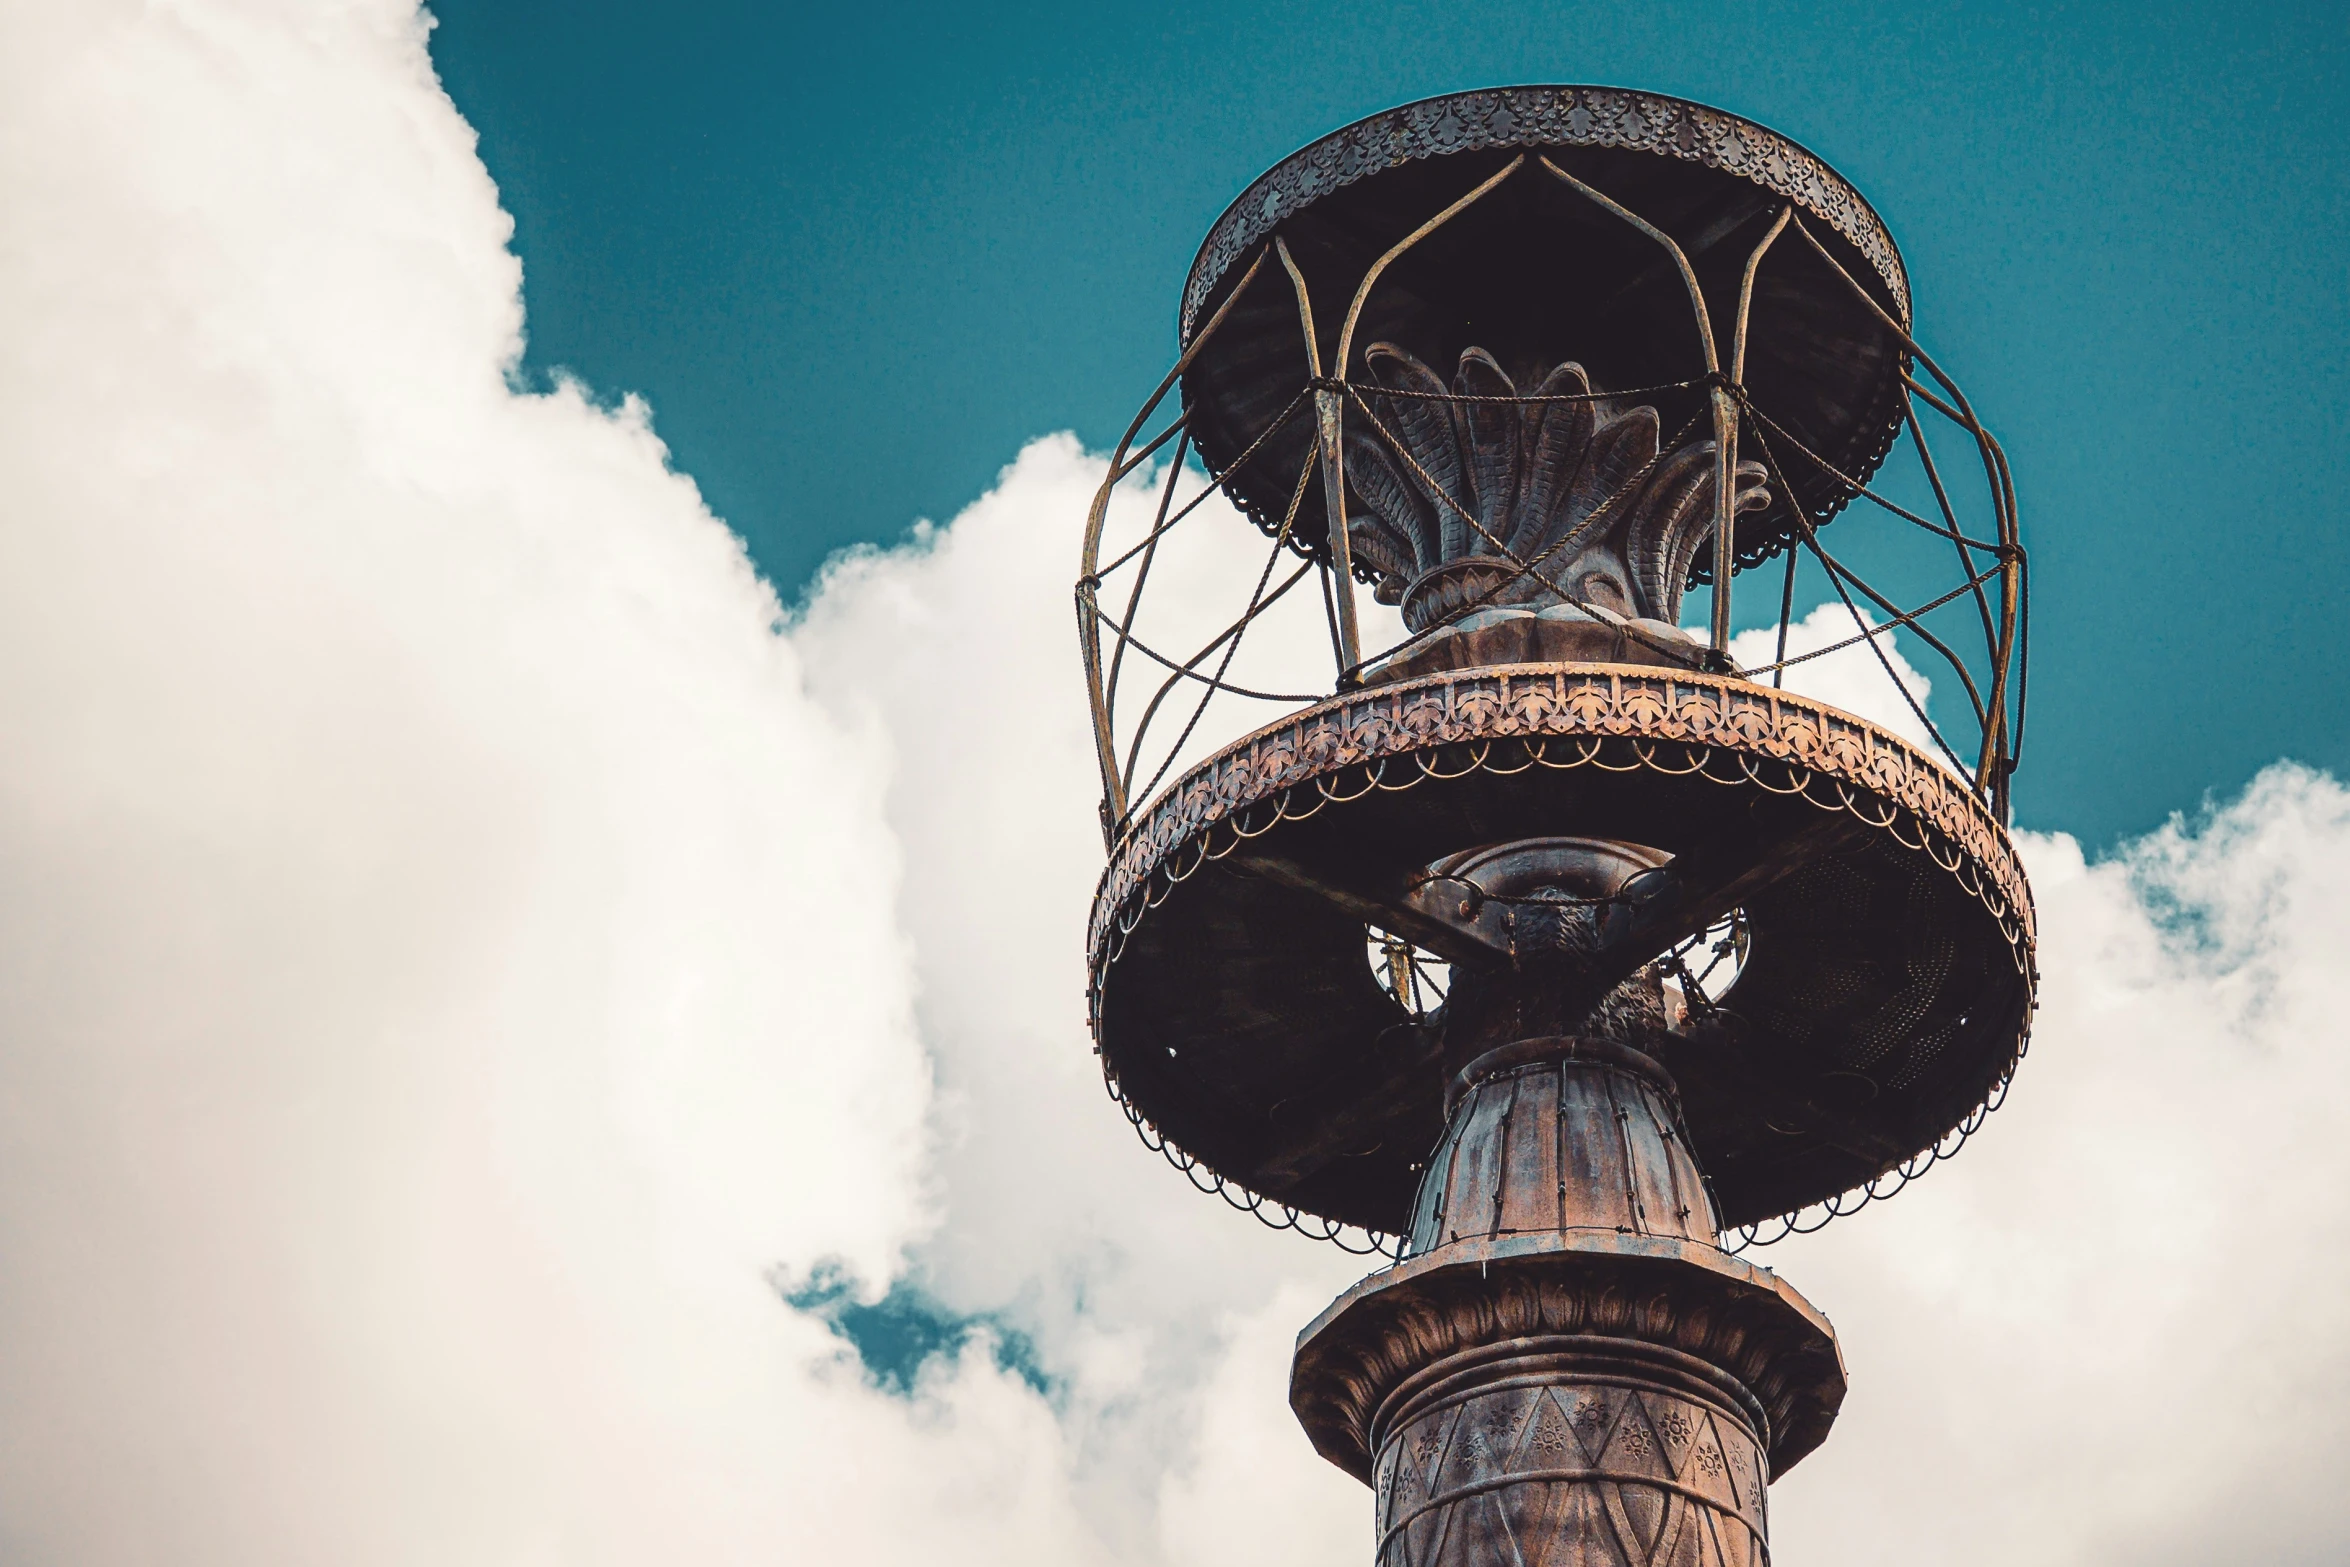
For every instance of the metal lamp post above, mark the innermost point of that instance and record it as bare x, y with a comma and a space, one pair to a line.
1551, 949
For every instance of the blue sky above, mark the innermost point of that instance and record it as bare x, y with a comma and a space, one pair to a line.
856, 256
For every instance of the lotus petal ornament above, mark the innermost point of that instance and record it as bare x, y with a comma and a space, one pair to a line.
1568, 494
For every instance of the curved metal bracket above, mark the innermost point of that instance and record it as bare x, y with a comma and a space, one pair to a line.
1088, 608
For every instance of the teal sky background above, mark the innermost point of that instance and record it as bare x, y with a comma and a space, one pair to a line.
855, 256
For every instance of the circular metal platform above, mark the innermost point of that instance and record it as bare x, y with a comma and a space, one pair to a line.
1537, 274
1886, 993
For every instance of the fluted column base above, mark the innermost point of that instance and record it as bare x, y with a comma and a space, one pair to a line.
1571, 1448
1563, 1400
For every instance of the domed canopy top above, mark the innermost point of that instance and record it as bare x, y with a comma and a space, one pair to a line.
1537, 273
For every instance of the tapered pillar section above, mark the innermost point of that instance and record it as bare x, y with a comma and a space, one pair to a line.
1567, 1369
1559, 1135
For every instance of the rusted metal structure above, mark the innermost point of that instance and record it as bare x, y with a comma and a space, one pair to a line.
1436, 959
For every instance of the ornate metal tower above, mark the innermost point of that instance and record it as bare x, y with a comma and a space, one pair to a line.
1551, 949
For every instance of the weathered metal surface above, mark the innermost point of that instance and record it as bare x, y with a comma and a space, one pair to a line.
1572, 1450
1610, 1388
1542, 790
1543, 269
1568, 1369
1612, 118
1559, 1135
1580, 490
1693, 1299
1887, 992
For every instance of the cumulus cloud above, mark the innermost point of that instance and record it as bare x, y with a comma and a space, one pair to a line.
446, 958
957, 654
462, 942
1851, 677
2112, 1332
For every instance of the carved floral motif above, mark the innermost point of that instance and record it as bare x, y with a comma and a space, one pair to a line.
1579, 490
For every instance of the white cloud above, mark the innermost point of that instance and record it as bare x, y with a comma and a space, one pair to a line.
2112, 1332
960, 652
1248, 1496
451, 946
445, 958
1852, 677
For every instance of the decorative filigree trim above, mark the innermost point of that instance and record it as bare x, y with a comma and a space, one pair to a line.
1615, 717
1561, 715
1510, 117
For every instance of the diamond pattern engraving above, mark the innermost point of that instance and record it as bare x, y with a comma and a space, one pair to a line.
1562, 1476
1553, 1441
1675, 1426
